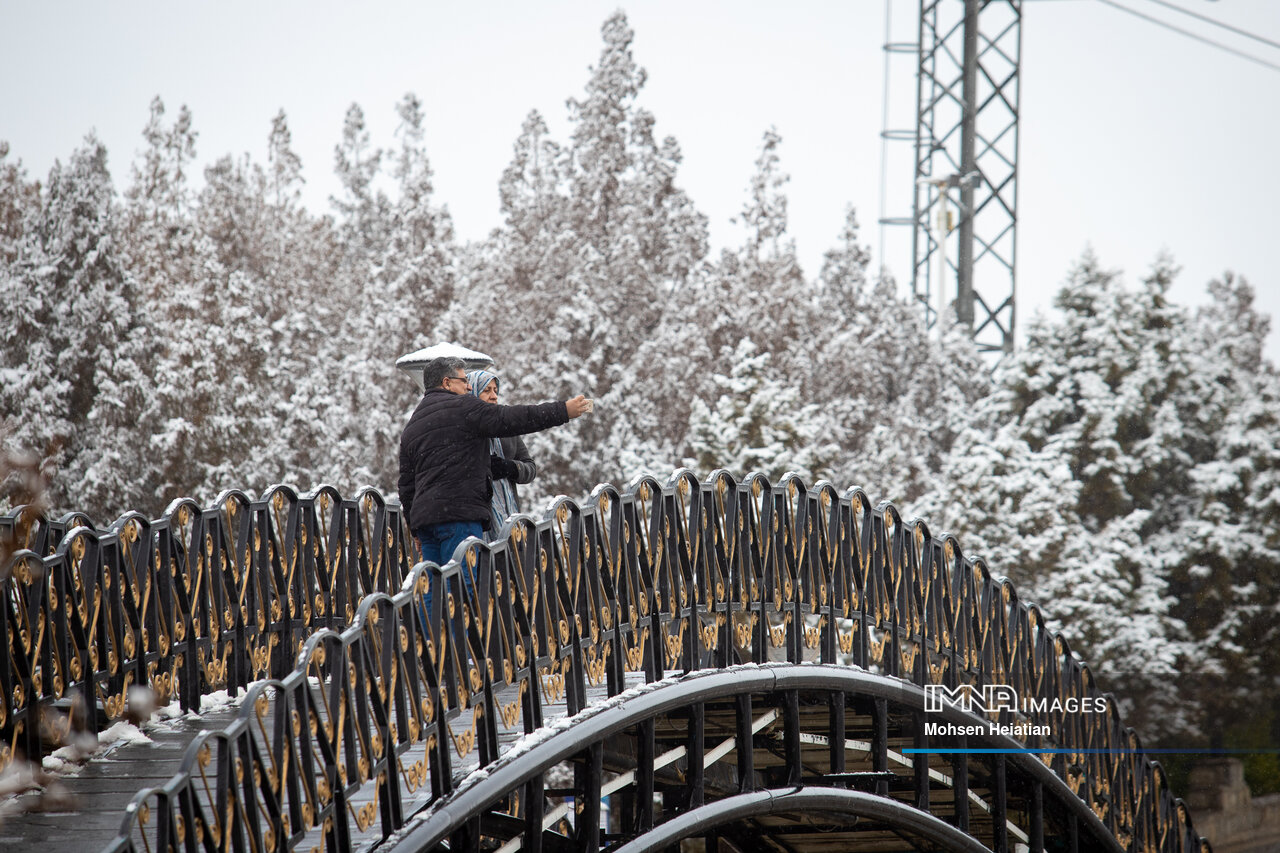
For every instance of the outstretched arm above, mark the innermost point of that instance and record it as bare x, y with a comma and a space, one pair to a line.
493, 420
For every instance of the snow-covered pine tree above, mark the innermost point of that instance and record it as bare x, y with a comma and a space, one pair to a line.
364, 224
507, 285
760, 422
757, 290
211, 380
156, 228
284, 166
159, 243
409, 289
515, 273
1094, 475
638, 238
885, 392
305, 310
75, 313
746, 398
19, 203
1225, 577
200, 259
891, 392
30, 396
770, 290
236, 320
597, 239
363, 209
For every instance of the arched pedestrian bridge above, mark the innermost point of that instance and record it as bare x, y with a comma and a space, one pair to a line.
719, 665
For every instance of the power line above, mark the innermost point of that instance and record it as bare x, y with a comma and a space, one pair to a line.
1189, 34
1215, 22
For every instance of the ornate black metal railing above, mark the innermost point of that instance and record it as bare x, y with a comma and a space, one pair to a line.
380, 719
199, 600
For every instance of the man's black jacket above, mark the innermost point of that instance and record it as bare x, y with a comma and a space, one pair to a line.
444, 453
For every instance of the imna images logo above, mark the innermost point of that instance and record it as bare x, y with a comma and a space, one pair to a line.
993, 698
987, 699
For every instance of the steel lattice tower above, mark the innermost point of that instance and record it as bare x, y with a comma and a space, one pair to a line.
965, 210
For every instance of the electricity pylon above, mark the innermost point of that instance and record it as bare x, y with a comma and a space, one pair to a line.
966, 160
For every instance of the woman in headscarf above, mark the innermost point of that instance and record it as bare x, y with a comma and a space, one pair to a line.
509, 459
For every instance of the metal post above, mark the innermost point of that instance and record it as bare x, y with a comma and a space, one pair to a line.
968, 125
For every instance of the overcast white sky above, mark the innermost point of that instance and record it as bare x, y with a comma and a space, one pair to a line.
1134, 138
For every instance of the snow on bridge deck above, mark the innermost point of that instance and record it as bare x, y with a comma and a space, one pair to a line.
97, 793
88, 815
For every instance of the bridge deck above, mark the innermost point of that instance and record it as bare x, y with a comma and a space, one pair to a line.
100, 791
103, 787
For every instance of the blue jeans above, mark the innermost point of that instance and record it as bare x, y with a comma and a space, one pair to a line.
438, 544
440, 540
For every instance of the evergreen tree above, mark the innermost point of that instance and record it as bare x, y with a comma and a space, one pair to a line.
893, 392
359, 284
73, 333
280, 318
770, 282
234, 213
758, 423
284, 167
762, 279
157, 233
1112, 475
598, 238
306, 307
887, 393
19, 204
1225, 575
363, 210
210, 386
752, 315
410, 281
30, 394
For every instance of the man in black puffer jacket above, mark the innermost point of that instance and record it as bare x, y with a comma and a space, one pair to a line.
444, 455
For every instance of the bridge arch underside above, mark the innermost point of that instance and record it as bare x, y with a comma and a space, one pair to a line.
830, 768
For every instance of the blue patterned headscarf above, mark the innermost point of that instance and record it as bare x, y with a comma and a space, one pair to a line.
503, 503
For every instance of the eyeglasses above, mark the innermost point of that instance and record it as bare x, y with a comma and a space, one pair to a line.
461, 379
